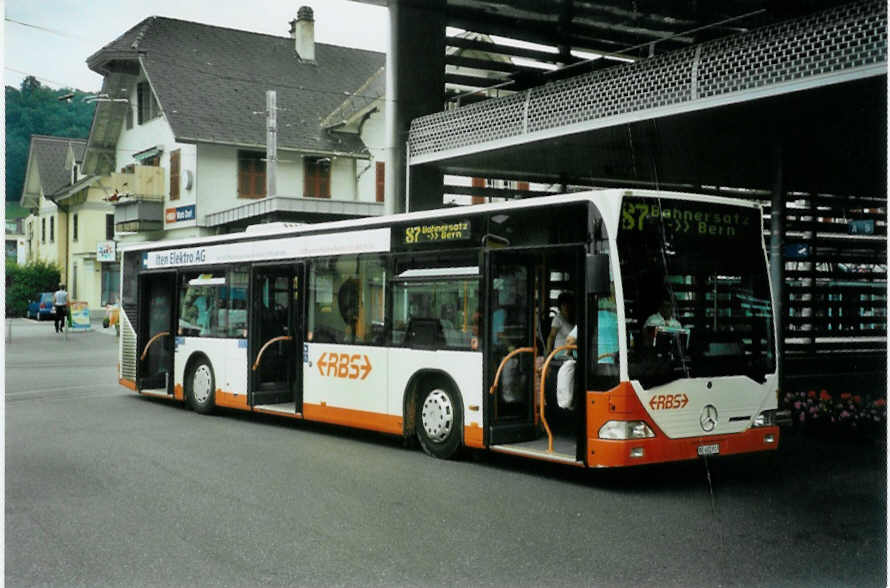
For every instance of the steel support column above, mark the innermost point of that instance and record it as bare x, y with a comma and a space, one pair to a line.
416, 44
776, 258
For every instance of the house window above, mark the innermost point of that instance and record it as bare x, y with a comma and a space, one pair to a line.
174, 175
380, 180
74, 228
52, 229
153, 161
129, 169
317, 177
251, 174
148, 106
109, 227
43, 230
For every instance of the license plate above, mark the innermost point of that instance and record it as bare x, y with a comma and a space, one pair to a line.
709, 449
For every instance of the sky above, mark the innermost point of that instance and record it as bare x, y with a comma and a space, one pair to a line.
58, 35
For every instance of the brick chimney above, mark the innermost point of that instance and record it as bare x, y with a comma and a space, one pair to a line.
302, 30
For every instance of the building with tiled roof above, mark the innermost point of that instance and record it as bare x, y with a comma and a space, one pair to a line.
70, 218
191, 99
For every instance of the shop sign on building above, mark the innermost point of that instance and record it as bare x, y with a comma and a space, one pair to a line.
105, 251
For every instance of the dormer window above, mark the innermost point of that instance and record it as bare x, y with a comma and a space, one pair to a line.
73, 174
146, 103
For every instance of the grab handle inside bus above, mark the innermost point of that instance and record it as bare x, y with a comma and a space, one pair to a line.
544, 387
259, 355
497, 375
151, 342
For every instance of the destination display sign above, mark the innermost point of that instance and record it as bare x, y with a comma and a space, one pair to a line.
437, 232
372, 240
689, 218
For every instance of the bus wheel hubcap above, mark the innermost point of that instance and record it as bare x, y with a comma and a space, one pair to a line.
201, 384
437, 416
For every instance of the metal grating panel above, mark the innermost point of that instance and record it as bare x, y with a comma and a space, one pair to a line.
128, 349
840, 40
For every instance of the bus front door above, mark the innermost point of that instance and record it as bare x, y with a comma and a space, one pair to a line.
276, 336
510, 347
156, 333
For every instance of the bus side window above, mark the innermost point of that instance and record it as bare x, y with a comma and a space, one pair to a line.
347, 300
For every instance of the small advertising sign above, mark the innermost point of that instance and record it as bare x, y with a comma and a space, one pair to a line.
80, 316
861, 227
180, 214
105, 251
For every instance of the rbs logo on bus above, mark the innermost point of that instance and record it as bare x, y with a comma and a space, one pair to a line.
343, 365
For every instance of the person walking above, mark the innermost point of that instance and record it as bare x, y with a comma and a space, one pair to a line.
60, 304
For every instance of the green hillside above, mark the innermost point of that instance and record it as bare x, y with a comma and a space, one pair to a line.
36, 110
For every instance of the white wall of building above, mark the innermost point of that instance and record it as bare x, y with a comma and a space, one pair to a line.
373, 134
214, 170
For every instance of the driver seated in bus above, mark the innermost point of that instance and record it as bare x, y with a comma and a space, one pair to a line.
663, 317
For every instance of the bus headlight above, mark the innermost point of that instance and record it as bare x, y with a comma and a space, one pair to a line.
625, 430
765, 419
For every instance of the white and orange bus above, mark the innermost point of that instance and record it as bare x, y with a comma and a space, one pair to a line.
435, 325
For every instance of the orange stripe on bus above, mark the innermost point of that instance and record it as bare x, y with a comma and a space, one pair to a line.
177, 392
229, 400
621, 403
359, 419
127, 384
473, 436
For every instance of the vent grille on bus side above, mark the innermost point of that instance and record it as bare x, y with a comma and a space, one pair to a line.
128, 348
130, 312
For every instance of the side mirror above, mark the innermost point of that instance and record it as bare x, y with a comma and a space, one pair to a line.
597, 274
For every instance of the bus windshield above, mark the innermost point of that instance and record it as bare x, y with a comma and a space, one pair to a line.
696, 291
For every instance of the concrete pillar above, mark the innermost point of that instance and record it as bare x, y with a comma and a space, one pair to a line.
777, 260
415, 83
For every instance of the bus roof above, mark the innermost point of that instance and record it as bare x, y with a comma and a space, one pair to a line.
284, 229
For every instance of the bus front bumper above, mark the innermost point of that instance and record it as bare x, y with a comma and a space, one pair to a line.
621, 453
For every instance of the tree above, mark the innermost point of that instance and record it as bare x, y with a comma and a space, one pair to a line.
25, 282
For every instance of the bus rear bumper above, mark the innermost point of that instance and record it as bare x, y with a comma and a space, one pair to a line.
613, 453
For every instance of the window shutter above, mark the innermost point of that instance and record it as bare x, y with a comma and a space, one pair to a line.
380, 180
174, 175
478, 183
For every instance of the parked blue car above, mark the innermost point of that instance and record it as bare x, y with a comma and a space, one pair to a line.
42, 307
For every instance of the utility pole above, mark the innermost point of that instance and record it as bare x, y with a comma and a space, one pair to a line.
271, 142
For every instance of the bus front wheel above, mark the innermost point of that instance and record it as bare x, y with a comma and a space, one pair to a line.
439, 419
201, 384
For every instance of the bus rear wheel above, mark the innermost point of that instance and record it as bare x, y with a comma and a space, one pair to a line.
439, 419
200, 384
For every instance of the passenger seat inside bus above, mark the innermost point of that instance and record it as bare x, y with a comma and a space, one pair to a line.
425, 332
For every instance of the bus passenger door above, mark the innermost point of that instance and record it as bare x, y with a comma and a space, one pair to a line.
276, 336
510, 345
156, 332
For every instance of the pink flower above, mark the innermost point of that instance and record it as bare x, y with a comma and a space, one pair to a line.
797, 405
803, 416
844, 414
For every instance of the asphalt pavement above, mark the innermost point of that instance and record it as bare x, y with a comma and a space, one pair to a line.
106, 488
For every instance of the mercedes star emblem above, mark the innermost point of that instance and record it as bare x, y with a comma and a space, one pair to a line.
708, 419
